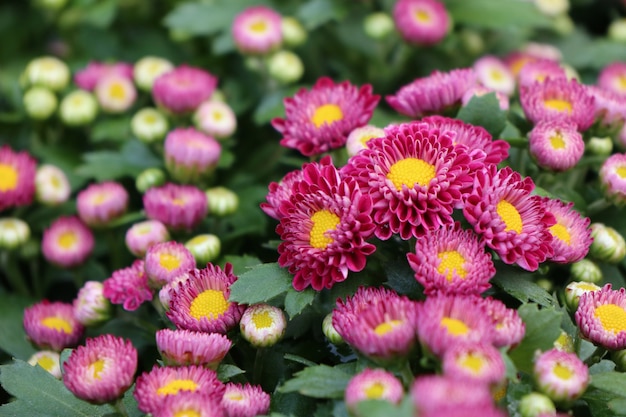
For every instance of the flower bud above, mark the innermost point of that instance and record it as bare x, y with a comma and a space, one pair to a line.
608, 245
617, 30
599, 146
48, 72
564, 342
51, 5
204, 248
13, 233
78, 108
619, 357
90, 306
215, 118
358, 138
222, 201
378, 25
141, 236
285, 67
586, 270
562, 376
552, 7
536, 404
563, 24
574, 290
48, 360
329, 330
294, 34
148, 178
51, 185
40, 102
148, 69
149, 125
263, 325
472, 41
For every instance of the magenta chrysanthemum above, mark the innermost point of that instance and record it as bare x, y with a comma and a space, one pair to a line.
190, 404
257, 30
52, 325
432, 94
128, 286
99, 204
281, 191
200, 303
176, 206
102, 370
373, 384
184, 347
182, 89
571, 235
423, 22
560, 375
451, 260
320, 119
91, 307
88, 77
539, 71
556, 145
415, 177
141, 236
245, 400
115, 93
601, 317
480, 362
613, 78
153, 387
613, 178
165, 261
324, 228
67, 242
610, 107
508, 325
512, 222
191, 154
17, 178
494, 74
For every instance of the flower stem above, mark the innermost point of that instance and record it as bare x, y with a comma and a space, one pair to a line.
258, 365
119, 406
597, 206
406, 374
596, 356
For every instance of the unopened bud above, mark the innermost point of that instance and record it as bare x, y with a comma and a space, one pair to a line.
51, 185
285, 67
148, 178
49, 72
78, 108
222, 201
586, 270
148, 69
40, 103
378, 25
90, 306
149, 125
263, 325
608, 245
330, 332
574, 290
599, 146
535, 405
13, 233
205, 248
617, 30
293, 32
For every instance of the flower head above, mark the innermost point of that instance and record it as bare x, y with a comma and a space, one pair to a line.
88, 77
185, 347
320, 119
493, 73
14, 233
191, 154
149, 125
39, 103
571, 235
91, 307
263, 325
205, 248
49, 72
165, 261
540, 70
148, 69
48, 360
613, 178
508, 325
245, 400
182, 89
608, 244
222, 201
101, 203
560, 375
613, 78
17, 178
52, 325
601, 317
480, 362
51, 185
191, 404
423, 22
556, 145
128, 286
78, 108
373, 384
67, 242
143, 235
101, 370
358, 138
279, 192
257, 30
215, 118
574, 290
610, 107
176, 206
586, 270
434, 395
115, 93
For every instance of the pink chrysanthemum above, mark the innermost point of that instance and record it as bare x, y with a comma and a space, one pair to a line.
516, 60
320, 119
539, 71
67, 242
556, 145
215, 118
613, 78
438, 92
165, 261
99, 204
88, 77
91, 307
560, 375
153, 387
324, 228
102, 370
493, 73
190, 404
377, 322
512, 222
182, 89
508, 325
281, 191
17, 178
571, 235
558, 99
480, 362
128, 286
613, 178
184, 347
373, 384
422, 22
601, 317
200, 303
451, 260
245, 400
176, 206
191, 154
479, 91
52, 325
445, 320
164, 292
610, 107
257, 30
115, 93
415, 176
141, 236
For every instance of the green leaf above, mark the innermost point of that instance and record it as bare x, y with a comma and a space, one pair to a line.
315, 13
272, 105
115, 129
381, 408
543, 327
606, 394
401, 278
517, 283
320, 381
109, 165
241, 264
501, 14
13, 340
484, 111
296, 301
101, 14
225, 372
260, 284
197, 18
39, 393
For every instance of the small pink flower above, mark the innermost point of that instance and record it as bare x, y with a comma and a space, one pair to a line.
191, 154
185, 347
601, 317
508, 325
128, 286
67, 242
556, 145
560, 375
115, 93
480, 362
539, 71
571, 232
245, 400
613, 178
257, 30
17, 178
613, 78
423, 22
167, 260
373, 384
439, 395
88, 77
183, 89
52, 325
494, 74
141, 236
215, 118
178, 207
99, 204
90, 305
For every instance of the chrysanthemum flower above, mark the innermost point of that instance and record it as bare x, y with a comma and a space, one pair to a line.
438, 92
451, 260
493, 73
101, 203
263, 325
480, 362
479, 91
78, 108
88, 77
128, 286
560, 375
149, 125
281, 191
141, 236
67, 242
17, 178
558, 98
245, 400
14, 233
190, 404
176, 206
610, 107
47, 71
415, 177
601, 317
257, 30
184, 347
613, 178
377, 322
556, 145
320, 119
514, 223
51, 185
164, 292
115, 93
539, 71
324, 228
200, 303
148, 69
102, 370
423, 22
542, 50
508, 325
215, 118
571, 235
48, 360
91, 307
373, 384
182, 89
153, 387
613, 78
191, 154
358, 138
52, 325
165, 261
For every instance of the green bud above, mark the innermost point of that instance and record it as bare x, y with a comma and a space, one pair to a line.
563, 25
535, 404
586, 270
148, 178
285, 67
599, 146
205, 248
574, 290
617, 30
14, 233
378, 25
51, 5
221, 201
472, 41
329, 330
40, 103
149, 125
49, 72
619, 357
78, 108
263, 325
608, 245
294, 33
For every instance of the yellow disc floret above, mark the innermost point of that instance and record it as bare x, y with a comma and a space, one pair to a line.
66, 240
510, 216
262, 319
176, 385
560, 232
422, 16
411, 171
96, 368
621, 171
562, 372
473, 362
451, 261
8, 177
612, 317
374, 391
455, 327
326, 114
209, 303
558, 105
557, 141
324, 221
169, 261
386, 327
189, 412
58, 323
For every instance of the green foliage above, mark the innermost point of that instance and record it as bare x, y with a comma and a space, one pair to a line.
320, 381
484, 111
260, 284
606, 394
13, 340
296, 301
517, 283
497, 15
130, 161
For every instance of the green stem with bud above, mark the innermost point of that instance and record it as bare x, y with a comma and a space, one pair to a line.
258, 365
119, 406
596, 356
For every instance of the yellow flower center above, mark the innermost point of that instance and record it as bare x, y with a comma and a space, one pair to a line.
451, 261
557, 141
374, 391
66, 240
562, 372
57, 323
422, 16
234, 396
560, 232
473, 362
510, 216
455, 327
210, 304
496, 75
411, 171
169, 261
365, 138
612, 317
176, 385
47, 363
587, 286
327, 114
386, 327
117, 91
198, 240
179, 202
621, 82
187, 413
100, 198
97, 368
558, 105
8, 177
262, 320
259, 26
150, 119
323, 222
621, 171
217, 115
